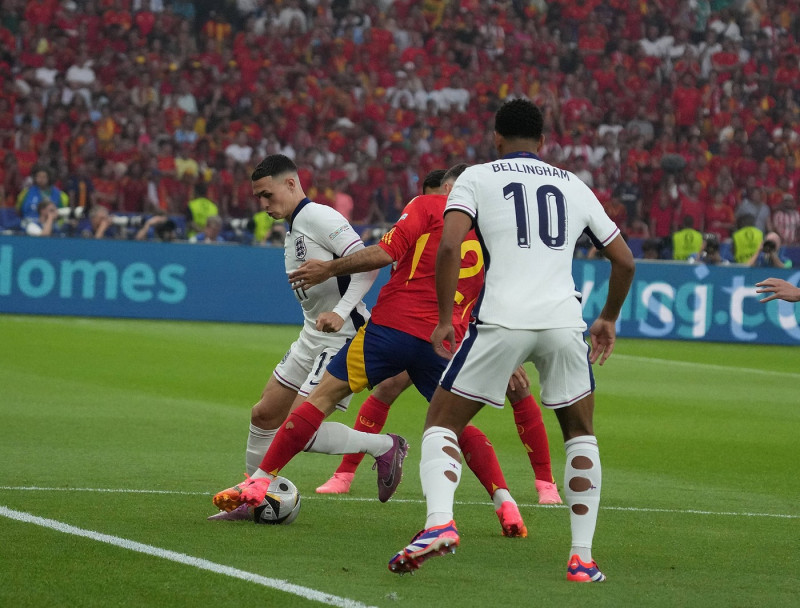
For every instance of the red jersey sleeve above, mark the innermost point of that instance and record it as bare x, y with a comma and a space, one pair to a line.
413, 222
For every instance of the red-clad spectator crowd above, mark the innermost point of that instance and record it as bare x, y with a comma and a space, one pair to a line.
666, 108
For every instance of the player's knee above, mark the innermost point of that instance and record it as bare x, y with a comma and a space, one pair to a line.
266, 416
576, 430
388, 390
576, 419
454, 425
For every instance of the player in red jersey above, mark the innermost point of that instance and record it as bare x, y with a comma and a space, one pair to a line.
397, 341
374, 411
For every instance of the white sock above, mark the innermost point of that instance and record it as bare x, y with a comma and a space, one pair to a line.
258, 442
500, 496
582, 480
338, 438
440, 472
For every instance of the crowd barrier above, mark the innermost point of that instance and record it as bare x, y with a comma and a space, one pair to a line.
152, 280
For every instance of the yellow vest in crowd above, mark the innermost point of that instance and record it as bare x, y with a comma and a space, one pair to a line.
263, 224
201, 209
686, 242
745, 243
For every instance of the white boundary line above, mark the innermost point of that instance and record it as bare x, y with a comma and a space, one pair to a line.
182, 558
691, 364
405, 500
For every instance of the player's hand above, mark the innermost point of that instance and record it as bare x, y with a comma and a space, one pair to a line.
519, 380
518, 385
603, 334
779, 289
443, 339
329, 322
312, 272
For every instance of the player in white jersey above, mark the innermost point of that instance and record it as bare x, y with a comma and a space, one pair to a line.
528, 216
333, 311
320, 232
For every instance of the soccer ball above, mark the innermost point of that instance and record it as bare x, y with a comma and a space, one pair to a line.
281, 504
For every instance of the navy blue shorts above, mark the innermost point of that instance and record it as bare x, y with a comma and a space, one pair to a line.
378, 352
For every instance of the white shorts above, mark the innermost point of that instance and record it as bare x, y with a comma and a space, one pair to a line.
304, 363
489, 354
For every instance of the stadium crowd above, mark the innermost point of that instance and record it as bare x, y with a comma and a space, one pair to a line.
667, 109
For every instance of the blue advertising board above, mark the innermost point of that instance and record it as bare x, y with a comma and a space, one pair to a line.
682, 301
248, 284
144, 280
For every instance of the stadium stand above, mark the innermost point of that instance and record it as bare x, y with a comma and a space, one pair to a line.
131, 103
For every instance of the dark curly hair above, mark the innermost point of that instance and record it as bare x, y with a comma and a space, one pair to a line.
519, 119
273, 165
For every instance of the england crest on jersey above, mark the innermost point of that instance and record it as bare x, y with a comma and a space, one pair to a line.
300, 248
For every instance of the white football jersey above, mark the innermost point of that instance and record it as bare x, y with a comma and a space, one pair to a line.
528, 215
319, 232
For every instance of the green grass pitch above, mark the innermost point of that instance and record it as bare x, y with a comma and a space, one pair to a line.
114, 434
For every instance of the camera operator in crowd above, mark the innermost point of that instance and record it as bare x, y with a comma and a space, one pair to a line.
710, 253
159, 227
769, 254
47, 222
99, 225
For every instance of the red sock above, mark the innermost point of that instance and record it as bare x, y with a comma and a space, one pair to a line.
292, 437
533, 435
371, 418
481, 459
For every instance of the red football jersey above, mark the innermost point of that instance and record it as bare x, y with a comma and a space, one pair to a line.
408, 300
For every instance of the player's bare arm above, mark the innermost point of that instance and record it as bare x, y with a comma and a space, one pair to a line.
603, 331
779, 289
448, 266
314, 272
